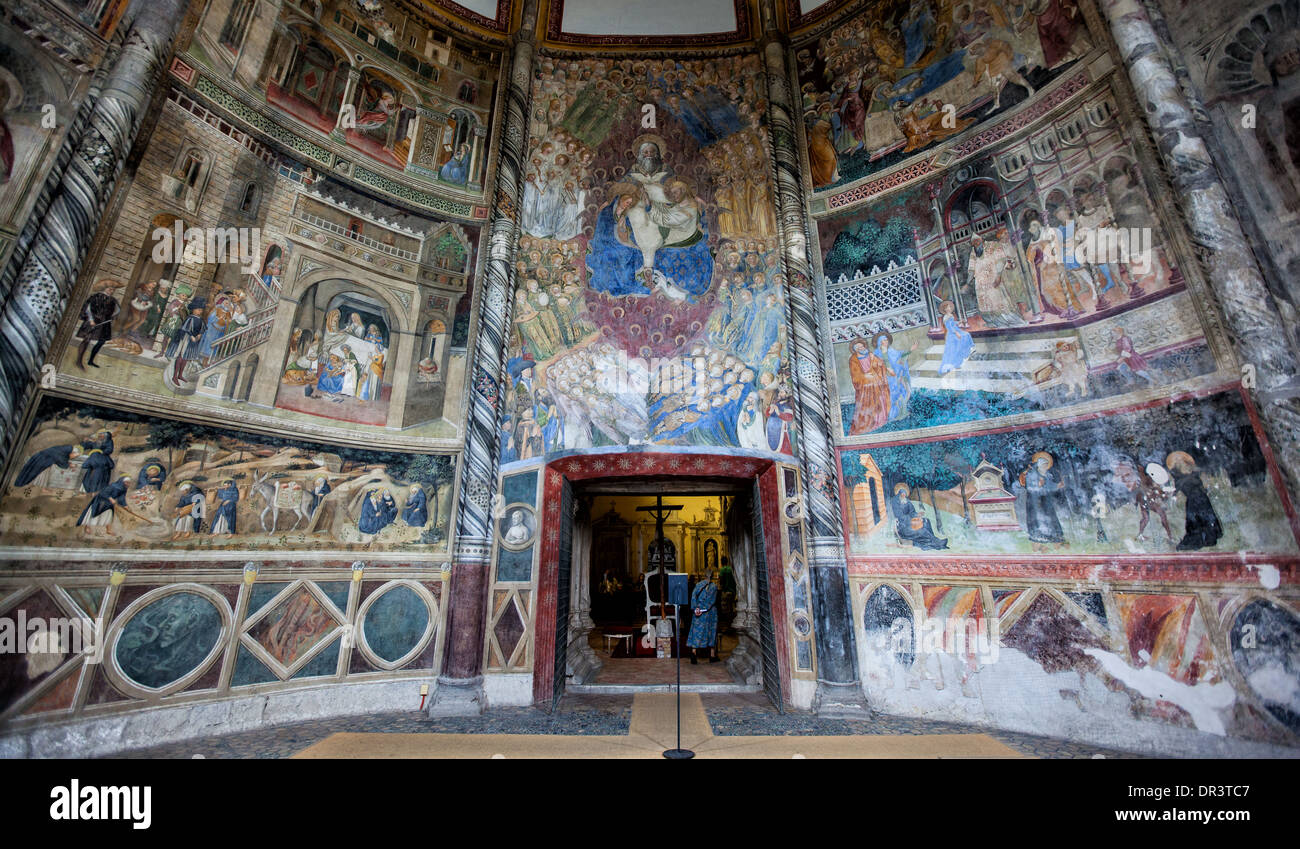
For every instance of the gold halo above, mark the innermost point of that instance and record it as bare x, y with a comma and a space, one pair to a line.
650, 137
1051, 461
1180, 458
901, 486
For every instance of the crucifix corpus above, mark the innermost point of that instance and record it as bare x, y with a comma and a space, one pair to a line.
660, 511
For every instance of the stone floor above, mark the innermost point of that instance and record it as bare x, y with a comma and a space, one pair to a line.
734, 725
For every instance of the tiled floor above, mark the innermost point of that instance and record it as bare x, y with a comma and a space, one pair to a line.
654, 670
604, 720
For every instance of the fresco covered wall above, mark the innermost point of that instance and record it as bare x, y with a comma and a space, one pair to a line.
902, 77
1051, 482
253, 399
399, 89
650, 304
326, 309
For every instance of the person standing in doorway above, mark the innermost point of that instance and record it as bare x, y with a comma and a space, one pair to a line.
704, 622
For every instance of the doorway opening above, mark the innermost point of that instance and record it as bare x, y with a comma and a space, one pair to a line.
630, 629
613, 635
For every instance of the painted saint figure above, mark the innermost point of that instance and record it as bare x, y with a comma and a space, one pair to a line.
99, 512
911, 524
1201, 527
416, 510
223, 521
191, 509
957, 343
96, 470
377, 511
870, 389
1041, 488
56, 455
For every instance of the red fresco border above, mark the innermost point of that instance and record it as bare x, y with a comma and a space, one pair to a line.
1226, 567
639, 466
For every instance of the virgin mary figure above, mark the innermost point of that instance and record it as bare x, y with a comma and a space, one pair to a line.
652, 234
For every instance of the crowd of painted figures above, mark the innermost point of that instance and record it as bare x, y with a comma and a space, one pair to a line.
898, 82
681, 227
211, 505
1039, 490
340, 363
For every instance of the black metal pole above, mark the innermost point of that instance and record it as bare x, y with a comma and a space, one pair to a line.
679, 753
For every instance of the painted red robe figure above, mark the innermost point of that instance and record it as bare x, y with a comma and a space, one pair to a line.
870, 377
1056, 27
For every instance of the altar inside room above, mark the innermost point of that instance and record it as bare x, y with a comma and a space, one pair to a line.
634, 637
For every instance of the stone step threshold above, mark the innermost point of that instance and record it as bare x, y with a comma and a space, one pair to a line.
632, 689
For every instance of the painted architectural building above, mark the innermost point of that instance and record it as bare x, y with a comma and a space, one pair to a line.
341, 342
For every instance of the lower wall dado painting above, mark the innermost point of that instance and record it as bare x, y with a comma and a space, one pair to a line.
1187, 477
89, 476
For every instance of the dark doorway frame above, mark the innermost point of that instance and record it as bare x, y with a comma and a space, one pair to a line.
674, 472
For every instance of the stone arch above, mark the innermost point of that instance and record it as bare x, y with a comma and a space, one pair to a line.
250, 372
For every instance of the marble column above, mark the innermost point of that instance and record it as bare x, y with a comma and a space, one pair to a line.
584, 664
1251, 315
346, 102
838, 688
49, 270
460, 686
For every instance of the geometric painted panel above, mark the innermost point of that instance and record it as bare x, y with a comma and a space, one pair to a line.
250, 670
168, 639
325, 663
296, 625
395, 622
520, 489
509, 629
515, 565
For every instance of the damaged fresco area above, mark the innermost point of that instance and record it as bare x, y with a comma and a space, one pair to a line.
1121, 667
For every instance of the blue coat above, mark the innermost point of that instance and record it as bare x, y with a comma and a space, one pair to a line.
704, 626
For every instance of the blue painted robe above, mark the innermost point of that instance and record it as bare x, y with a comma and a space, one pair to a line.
228, 498
104, 500
957, 346
455, 170
317, 495
96, 471
153, 479
416, 511
923, 537
900, 382
58, 455
613, 265
704, 625
376, 514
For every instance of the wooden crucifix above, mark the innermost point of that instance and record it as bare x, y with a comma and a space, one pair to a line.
660, 511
